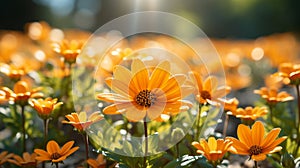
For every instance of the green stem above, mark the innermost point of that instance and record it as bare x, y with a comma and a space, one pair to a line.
271, 114
46, 122
177, 150
225, 125
198, 123
23, 127
255, 164
86, 142
146, 142
298, 123
56, 165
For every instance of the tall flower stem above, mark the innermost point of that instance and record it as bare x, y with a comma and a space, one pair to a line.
198, 123
23, 127
146, 142
86, 142
271, 114
255, 164
225, 125
298, 123
46, 122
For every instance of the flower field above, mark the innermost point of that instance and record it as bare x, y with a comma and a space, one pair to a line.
70, 98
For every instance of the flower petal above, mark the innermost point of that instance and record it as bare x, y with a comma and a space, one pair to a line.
271, 136
52, 147
259, 157
66, 148
257, 133
244, 135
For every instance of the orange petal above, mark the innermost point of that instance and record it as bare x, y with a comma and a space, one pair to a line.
257, 132
66, 148
244, 135
52, 147
271, 136
159, 76
259, 157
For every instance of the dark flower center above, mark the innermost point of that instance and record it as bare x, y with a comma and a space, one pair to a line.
145, 98
55, 156
205, 95
255, 150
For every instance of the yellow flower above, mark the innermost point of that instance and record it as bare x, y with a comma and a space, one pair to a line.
68, 49
230, 105
100, 162
208, 90
44, 107
13, 72
289, 72
21, 93
80, 121
4, 157
54, 153
249, 113
213, 150
140, 95
254, 143
272, 96
26, 160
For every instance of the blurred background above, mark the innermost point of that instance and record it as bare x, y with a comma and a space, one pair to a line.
217, 18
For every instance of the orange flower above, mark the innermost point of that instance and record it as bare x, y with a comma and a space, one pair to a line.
54, 153
230, 104
13, 72
27, 160
207, 90
249, 113
80, 121
272, 96
253, 143
100, 162
21, 93
44, 107
4, 157
213, 150
289, 72
68, 49
139, 94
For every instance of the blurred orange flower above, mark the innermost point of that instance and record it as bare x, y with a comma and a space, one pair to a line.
54, 153
213, 150
249, 113
272, 96
208, 90
139, 95
4, 157
68, 49
44, 107
254, 143
21, 93
81, 121
13, 72
100, 162
230, 104
289, 72
26, 160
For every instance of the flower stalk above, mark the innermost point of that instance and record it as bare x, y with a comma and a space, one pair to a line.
23, 127
146, 142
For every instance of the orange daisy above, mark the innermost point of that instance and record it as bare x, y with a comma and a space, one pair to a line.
21, 93
4, 157
26, 160
249, 113
44, 107
272, 96
213, 149
68, 49
254, 143
100, 162
54, 153
13, 72
81, 121
207, 91
289, 72
230, 104
140, 94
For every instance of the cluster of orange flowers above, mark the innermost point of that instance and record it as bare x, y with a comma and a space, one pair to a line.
141, 92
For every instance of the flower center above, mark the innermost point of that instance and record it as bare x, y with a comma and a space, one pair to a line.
255, 150
55, 156
205, 95
145, 98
